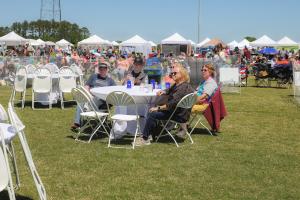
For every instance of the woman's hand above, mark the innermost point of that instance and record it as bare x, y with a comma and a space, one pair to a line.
153, 109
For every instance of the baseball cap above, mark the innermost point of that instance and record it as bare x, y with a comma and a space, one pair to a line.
102, 65
138, 61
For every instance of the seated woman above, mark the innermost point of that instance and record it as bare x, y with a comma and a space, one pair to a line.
206, 89
175, 93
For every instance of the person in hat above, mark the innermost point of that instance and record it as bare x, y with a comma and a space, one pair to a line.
136, 72
100, 79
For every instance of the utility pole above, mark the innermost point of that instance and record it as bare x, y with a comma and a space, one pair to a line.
50, 10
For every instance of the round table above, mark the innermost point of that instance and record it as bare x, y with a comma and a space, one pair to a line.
144, 97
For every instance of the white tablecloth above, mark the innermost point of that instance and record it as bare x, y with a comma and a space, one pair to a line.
142, 96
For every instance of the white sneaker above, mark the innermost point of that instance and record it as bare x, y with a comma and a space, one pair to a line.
141, 142
181, 134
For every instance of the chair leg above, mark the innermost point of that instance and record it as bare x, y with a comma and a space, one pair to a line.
23, 99
99, 126
16, 171
136, 132
199, 121
111, 133
61, 100
164, 128
32, 100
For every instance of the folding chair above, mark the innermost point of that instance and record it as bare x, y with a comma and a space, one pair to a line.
66, 83
19, 128
53, 68
8, 135
195, 115
5, 176
186, 102
77, 70
119, 98
89, 113
42, 83
20, 84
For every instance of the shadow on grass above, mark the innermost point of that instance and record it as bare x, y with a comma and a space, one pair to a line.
38, 105
4, 196
199, 131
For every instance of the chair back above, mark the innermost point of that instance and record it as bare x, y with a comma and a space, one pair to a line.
52, 68
187, 101
30, 68
87, 93
66, 79
20, 80
77, 70
42, 81
3, 114
82, 100
14, 119
119, 98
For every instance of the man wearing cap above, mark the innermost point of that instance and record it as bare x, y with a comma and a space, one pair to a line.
95, 80
136, 72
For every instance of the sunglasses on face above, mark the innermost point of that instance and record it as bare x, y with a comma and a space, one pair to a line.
204, 70
172, 74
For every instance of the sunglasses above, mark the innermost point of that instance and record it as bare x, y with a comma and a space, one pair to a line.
172, 74
204, 70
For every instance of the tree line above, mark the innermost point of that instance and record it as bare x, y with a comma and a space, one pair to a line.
48, 30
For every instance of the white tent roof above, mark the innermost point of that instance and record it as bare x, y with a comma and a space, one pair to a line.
244, 43
50, 43
93, 40
233, 44
40, 41
203, 42
135, 40
263, 41
114, 43
13, 39
192, 42
152, 44
285, 41
175, 39
63, 42
37, 42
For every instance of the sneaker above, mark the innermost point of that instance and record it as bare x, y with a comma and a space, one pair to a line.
181, 134
75, 126
141, 142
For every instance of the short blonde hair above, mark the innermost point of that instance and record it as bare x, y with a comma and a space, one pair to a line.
211, 69
183, 71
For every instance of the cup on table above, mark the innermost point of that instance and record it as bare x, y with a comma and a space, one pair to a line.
128, 84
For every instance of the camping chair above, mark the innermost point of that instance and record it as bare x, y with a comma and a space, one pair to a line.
89, 113
20, 84
42, 83
19, 128
186, 103
66, 83
119, 98
5, 175
9, 134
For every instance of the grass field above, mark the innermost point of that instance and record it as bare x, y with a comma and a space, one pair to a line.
256, 156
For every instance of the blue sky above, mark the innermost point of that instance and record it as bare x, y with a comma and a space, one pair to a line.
158, 19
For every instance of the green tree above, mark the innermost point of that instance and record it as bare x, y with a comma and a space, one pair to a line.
250, 38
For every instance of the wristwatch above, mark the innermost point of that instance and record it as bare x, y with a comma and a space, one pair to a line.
158, 108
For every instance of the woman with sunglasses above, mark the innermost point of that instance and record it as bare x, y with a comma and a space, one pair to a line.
175, 93
206, 89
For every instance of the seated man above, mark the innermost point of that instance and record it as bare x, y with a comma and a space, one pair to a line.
136, 72
96, 80
177, 91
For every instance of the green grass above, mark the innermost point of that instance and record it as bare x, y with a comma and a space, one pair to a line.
257, 156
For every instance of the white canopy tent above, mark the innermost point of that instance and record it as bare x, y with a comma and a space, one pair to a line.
285, 41
114, 43
263, 41
233, 44
63, 43
12, 39
37, 42
50, 43
152, 44
244, 43
192, 42
203, 42
176, 44
136, 44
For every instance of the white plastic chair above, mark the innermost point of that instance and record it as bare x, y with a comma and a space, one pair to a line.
186, 102
119, 98
20, 84
42, 83
77, 70
5, 175
9, 134
19, 127
89, 113
66, 83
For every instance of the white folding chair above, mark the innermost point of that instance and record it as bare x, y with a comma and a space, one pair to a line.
5, 175
194, 117
30, 68
9, 134
20, 84
66, 83
186, 102
19, 128
77, 70
42, 83
89, 113
119, 98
